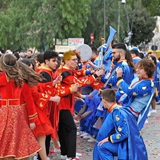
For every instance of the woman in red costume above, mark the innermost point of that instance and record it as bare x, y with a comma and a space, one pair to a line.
16, 139
42, 124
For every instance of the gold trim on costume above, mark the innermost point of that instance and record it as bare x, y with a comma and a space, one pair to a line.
144, 88
46, 68
41, 105
119, 129
49, 92
118, 136
119, 82
140, 133
63, 92
111, 139
78, 73
145, 94
42, 99
93, 77
8, 101
33, 115
70, 88
117, 118
134, 94
23, 104
21, 157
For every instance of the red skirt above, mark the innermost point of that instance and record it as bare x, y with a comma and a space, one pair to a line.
43, 124
54, 117
16, 138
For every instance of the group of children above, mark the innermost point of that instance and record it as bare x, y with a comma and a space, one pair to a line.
134, 87
37, 104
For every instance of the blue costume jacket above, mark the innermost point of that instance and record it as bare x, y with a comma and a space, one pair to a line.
124, 134
127, 74
136, 59
135, 95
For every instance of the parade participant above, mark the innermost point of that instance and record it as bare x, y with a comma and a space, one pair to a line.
29, 53
50, 60
155, 54
39, 60
136, 96
119, 134
27, 62
121, 58
8, 51
33, 62
42, 124
16, 55
156, 85
92, 63
54, 113
135, 55
67, 128
15, 134
94, 52
94, 58
141, 55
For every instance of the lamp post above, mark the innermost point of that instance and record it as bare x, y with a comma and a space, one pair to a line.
104, 16
119, 17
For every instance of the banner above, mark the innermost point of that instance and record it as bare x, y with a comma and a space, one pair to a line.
75, 41
60, 48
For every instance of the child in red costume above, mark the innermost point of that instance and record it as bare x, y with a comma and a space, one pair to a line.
16, 138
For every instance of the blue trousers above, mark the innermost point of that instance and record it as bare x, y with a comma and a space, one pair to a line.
107, 151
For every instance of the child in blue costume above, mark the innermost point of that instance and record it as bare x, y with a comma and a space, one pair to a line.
156, 77
119, 134
137, 95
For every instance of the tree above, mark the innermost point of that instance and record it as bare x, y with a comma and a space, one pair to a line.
143, 26
62, 19
4, 4
96, 20
36, 23
152, 6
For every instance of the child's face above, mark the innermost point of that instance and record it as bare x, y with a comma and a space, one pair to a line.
141, 73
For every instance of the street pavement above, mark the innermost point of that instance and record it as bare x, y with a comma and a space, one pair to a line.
150, 135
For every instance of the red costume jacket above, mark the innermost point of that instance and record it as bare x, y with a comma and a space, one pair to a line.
69, 78
10, 95
47, 90
27, 100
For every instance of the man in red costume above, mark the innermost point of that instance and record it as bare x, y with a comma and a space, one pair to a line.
48, 71
67, 128
50, 59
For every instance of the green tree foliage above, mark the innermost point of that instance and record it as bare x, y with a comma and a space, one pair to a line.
4, 4
152, 6
62, 19
36, 23
113, 10
143, 25
96, 20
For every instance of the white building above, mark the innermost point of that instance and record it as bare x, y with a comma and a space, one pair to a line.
156, 38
